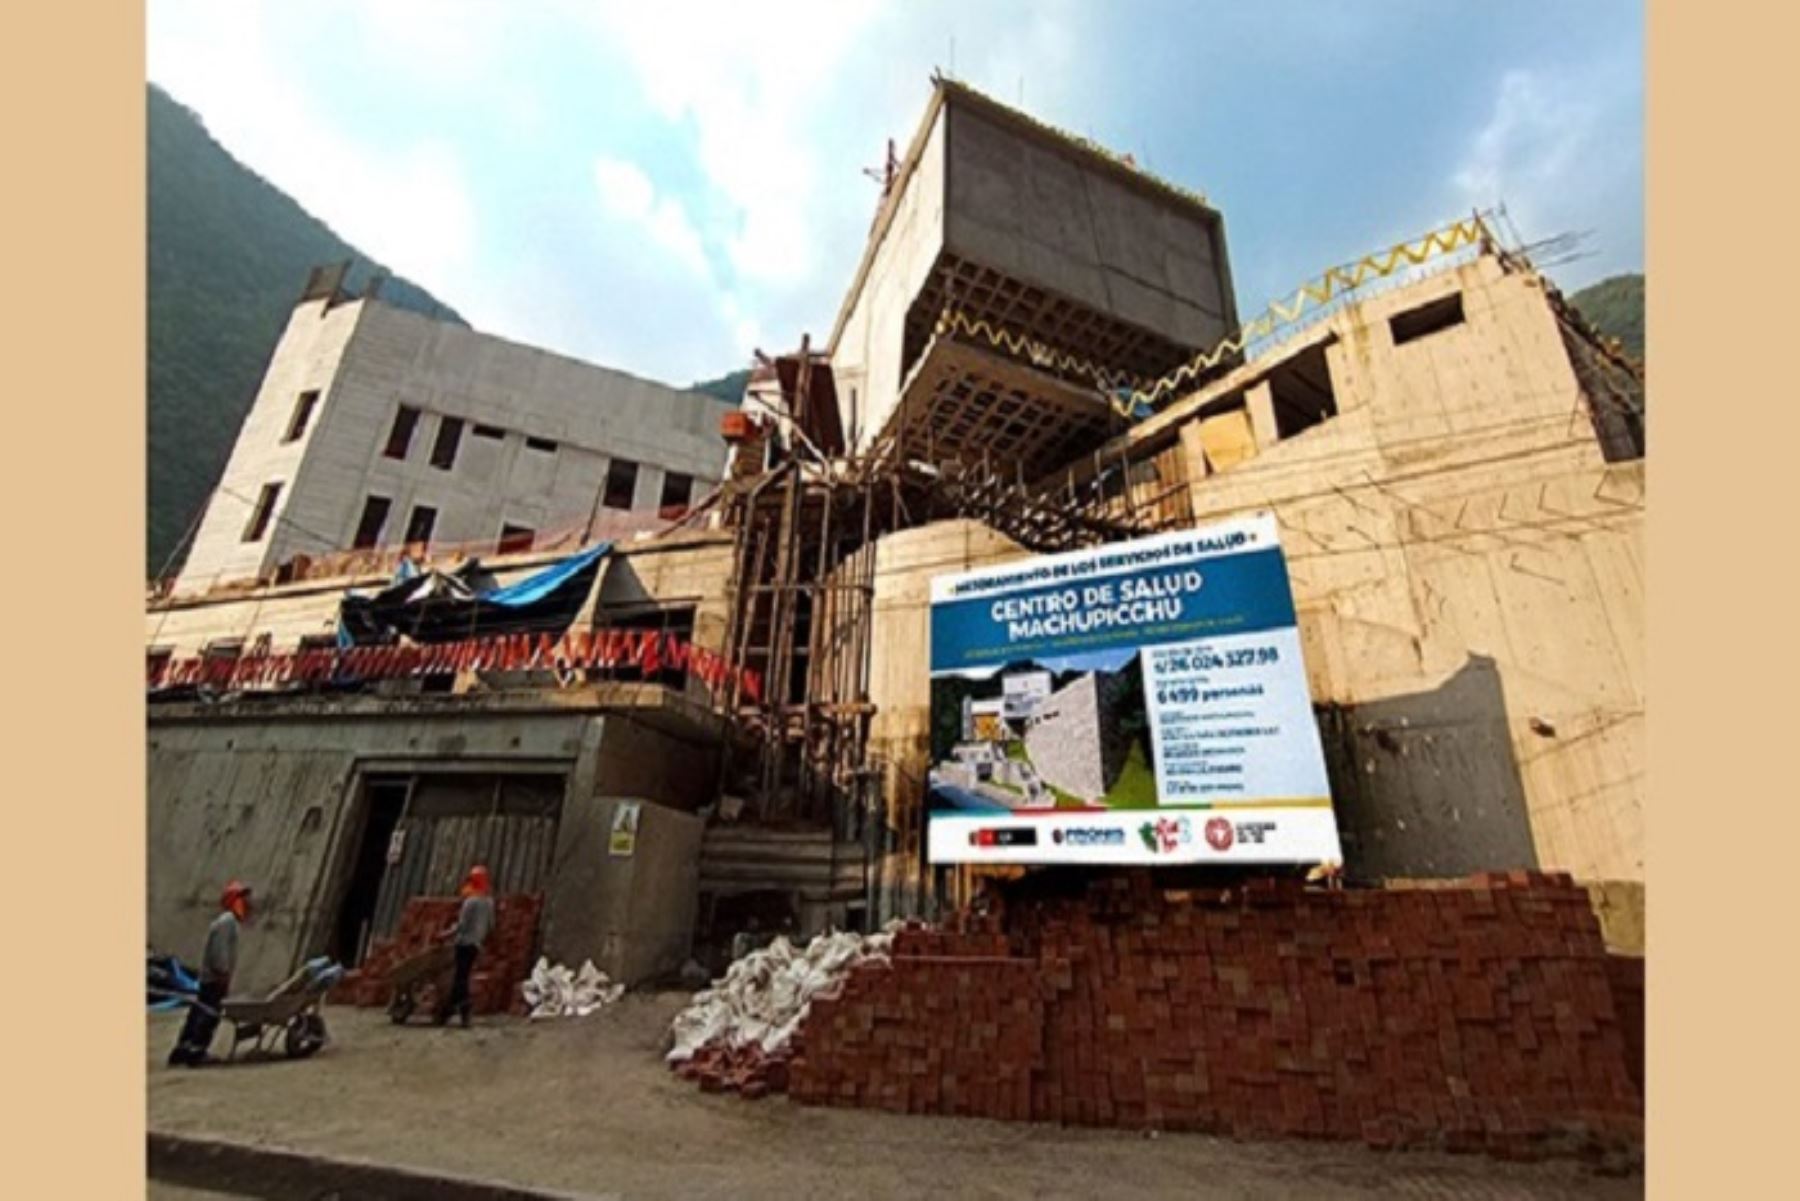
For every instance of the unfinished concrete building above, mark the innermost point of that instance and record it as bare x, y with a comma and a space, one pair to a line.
1457, 468
1454, 458
344, 795
1012, 225
375, 427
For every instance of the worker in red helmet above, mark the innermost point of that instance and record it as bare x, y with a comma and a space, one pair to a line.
217, 963
474, 922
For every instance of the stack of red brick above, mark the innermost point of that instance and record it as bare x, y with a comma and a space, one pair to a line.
505, 959
1478, 1017
1626, 973
748, 1070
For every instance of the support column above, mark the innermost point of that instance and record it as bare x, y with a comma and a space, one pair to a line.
1259, 398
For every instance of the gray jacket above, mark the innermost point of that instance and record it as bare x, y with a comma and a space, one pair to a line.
219, 959
474, 921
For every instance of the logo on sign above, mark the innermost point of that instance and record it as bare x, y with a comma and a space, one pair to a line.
1014, 837
1218, 834
1089, 836
1165, 834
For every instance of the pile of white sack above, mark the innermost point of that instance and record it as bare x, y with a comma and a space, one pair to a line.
764, 996
554, 992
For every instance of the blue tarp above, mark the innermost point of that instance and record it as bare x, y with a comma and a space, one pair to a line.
437, 607
535, 588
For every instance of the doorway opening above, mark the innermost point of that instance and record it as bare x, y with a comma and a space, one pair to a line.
384, 800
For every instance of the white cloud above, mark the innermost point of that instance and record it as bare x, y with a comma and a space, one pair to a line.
1563, 154
749, 81
728, 200
1528, 144
411, 208
627, 194
625, 191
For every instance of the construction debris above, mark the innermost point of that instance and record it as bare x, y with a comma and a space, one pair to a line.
554, 992
736, 1034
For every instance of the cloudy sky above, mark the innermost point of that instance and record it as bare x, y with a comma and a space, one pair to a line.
664, 186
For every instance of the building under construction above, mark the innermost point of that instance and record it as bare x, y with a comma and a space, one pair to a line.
1039, 350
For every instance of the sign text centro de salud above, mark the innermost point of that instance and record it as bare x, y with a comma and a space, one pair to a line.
1158, 709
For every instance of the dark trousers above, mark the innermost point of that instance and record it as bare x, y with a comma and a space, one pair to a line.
197, 1031
458, 1000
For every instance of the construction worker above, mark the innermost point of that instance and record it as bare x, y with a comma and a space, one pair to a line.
474, 922
217, 962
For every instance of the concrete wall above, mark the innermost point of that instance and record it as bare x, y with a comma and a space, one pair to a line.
1469, 575
685, 571
1468, 572
307, 357
996, 190
1043, 214
369, 359
633, 916
900, 686
640, 760
272, 799
865, 355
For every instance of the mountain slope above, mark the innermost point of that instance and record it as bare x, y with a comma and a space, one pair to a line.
1615, 307
228, 255
728, 387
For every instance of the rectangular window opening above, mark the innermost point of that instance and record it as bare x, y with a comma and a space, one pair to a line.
542, 444
489, 431
621, 484
420, 525
406, 419
262, 513
303, 411
449, 438
677, 493
374, 516
1426, 319
516, 539
317, 642
1301, 388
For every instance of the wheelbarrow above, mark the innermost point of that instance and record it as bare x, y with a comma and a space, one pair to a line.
430, 968
289, 1016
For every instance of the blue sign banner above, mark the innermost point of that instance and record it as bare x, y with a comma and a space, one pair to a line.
1236, 594
1138, 702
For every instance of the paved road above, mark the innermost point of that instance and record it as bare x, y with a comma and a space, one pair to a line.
586, 1106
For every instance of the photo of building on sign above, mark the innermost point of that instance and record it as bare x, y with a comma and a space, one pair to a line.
1066, 733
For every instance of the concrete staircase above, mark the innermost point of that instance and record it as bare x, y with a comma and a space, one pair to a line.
737, 859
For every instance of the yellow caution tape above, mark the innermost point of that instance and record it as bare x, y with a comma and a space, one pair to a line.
1335, 282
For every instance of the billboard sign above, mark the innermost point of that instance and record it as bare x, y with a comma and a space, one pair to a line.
1141, 702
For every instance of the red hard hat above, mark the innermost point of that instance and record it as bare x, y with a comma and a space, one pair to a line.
236, 897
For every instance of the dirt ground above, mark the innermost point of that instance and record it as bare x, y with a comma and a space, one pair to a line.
587, 1106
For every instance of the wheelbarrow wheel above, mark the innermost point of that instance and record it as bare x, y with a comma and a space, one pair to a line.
305, 1035
401, 1007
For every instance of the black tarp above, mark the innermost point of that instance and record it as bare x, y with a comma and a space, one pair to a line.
433, 606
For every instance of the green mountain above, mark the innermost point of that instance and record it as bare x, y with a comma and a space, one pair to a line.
1615, 307
228, 256
727, 387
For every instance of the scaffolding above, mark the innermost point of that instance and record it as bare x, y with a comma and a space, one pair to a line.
806, 531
